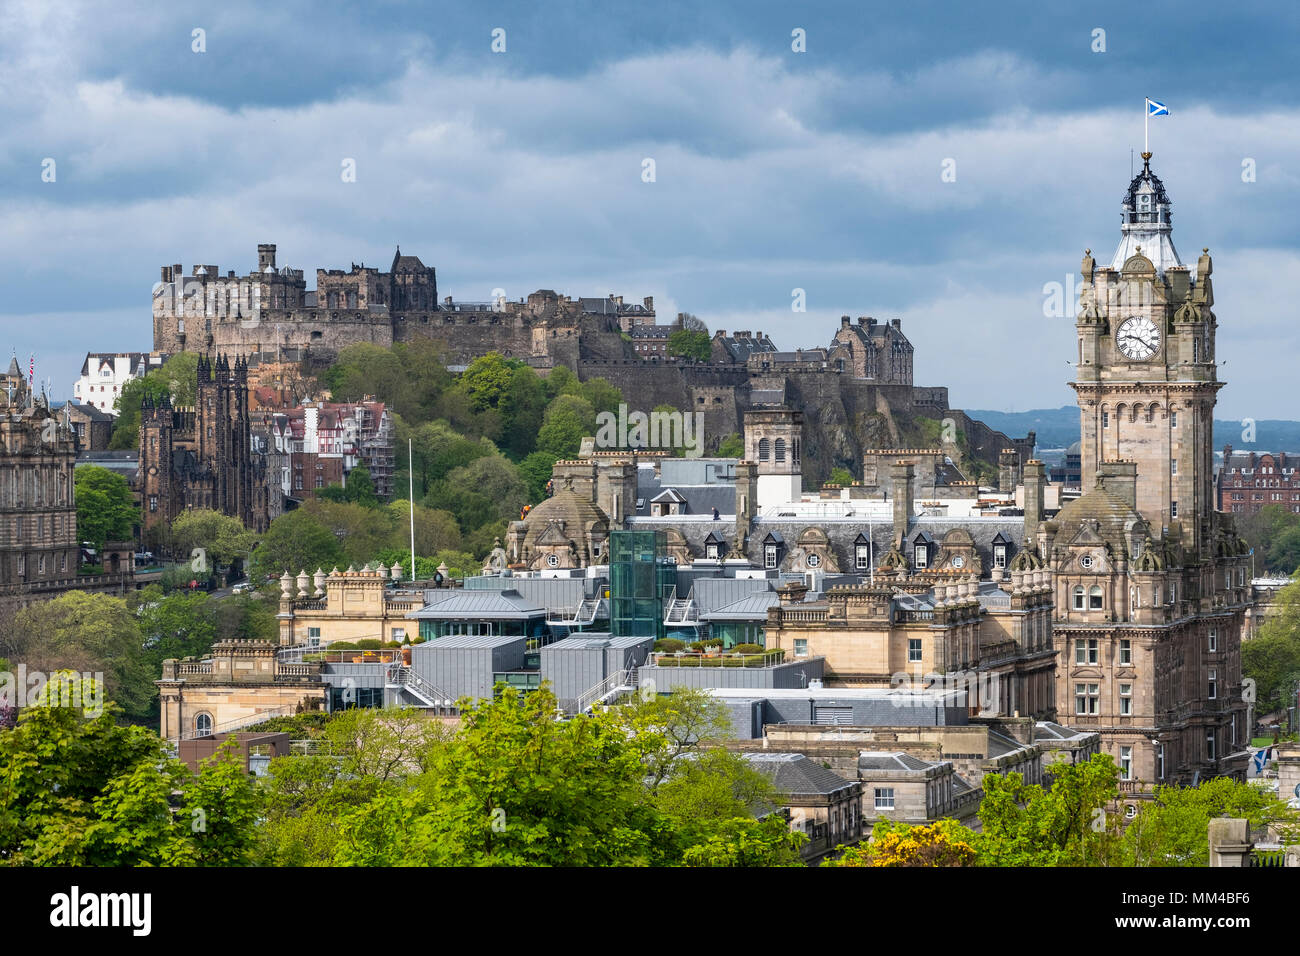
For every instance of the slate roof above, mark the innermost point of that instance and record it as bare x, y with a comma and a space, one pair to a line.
796, 774
896, 760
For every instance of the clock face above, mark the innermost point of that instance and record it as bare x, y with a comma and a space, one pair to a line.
1138, 338
958, 561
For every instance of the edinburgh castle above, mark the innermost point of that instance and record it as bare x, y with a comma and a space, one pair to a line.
856, 393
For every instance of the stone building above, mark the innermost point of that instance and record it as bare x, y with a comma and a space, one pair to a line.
203, 457
349, 605
1150, 580
238, 684
105, 374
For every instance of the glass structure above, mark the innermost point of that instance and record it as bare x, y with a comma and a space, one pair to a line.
641, 576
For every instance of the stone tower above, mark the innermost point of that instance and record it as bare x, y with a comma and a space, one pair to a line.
773, 436
1150, 581
1146, 371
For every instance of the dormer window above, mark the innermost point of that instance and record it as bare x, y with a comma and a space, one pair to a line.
711, 551
769, 556
1000, 556
921, 556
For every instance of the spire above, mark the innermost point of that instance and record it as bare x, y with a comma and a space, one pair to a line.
1147, 222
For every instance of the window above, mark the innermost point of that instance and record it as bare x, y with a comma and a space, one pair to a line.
313, 633
1160, 761
1125, 700
553, 560
1126, 763
1130, 810
764, 449
153, 502
884, 798
921, 556
1085, 562
203, 725
1105, 419
1086, 698
399, 634
801, 647
1173, 509
914, 650
769, 556
1078, 598
1085, 652
780, 449
1173, 466
711, 551
1094, 598
1241, 577
862, 557
999, 556
814, 560
1126, 651
1214, 684
1173, 419
1209, 745
1214, 639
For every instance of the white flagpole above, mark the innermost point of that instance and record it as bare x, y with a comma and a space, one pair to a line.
410, 450
1146, 126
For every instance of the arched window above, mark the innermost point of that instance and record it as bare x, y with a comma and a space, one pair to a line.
764, 449
203, 725
780, 449
1078, 598
1094, 598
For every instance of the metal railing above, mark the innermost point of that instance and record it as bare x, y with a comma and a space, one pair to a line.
402, 677
765, 659
617, 683
239, 723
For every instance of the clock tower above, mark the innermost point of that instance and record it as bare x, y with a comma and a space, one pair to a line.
1150, 581
1146, 370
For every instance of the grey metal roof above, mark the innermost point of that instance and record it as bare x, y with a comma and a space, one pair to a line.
751, 608
796, 774
480, 605
713, 594
468, 640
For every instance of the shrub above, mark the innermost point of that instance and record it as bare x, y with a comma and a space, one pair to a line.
369, 644
670, 645
748, 649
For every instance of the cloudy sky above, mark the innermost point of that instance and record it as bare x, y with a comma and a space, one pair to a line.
774, 170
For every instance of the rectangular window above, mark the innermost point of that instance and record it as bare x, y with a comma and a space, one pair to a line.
1209, 745
863, 558
1173, 467
153, 502
1000, 556
1173, 509
769, 556
1214, 684
1214, 639
1126, 763
1126, 699
1173, 419
914, 650
884, 798
1160, 761
1105, 419
1095, 599
801, 647
313, 633
399, 634
922, 557
1086, 698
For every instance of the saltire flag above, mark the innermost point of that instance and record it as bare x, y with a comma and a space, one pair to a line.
1155, 108
31, 370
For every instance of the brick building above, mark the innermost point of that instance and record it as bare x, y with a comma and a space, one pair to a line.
1247, 481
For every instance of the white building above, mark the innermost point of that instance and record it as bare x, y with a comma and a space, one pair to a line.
105, 374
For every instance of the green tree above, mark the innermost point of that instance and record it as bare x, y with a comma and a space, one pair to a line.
1034, 826
536, 470
92, 633
1171, 829
692, 345
1272, 658
105, 509
296, 541
733, 446
841, 476
223, 538
521, 408
487, 379
747, 842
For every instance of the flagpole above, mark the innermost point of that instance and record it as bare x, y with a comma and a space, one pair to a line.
1146, 126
